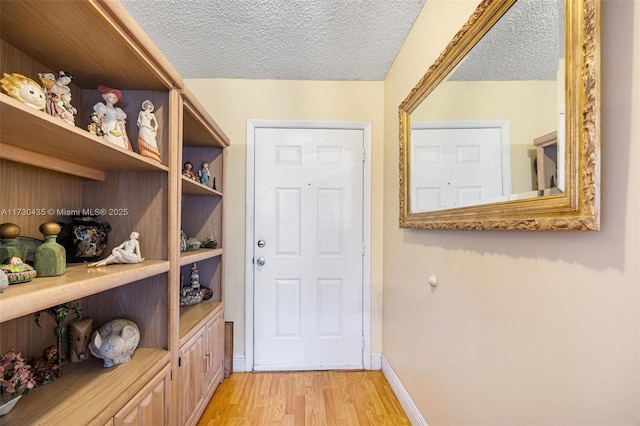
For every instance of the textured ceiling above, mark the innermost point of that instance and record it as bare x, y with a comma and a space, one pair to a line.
525, 44
336, 39
278, 39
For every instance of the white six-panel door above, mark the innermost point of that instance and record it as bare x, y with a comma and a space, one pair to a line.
308, 249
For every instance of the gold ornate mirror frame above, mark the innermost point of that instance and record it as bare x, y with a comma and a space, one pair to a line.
578, 207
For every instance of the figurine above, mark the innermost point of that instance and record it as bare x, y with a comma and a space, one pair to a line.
148, 126
183, 241
24, 89
195, 277
112, 119
47, 368
58, 95
210, 242
204, 175
79, 334
115, 342
188, 171
127, 252
94, 127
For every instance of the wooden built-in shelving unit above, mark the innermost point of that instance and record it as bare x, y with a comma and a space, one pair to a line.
51, 167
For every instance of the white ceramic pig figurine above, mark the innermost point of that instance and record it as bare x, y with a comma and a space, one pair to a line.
115, 342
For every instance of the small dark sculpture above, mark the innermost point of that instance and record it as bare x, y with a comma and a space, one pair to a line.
47, 368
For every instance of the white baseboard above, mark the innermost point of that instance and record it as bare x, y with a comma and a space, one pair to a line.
376, 361
410, 408
239, 364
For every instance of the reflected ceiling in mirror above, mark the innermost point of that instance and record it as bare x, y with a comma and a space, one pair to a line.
491, 139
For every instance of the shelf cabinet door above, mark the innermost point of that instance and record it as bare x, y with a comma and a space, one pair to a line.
150, 406
214, 353
192, 364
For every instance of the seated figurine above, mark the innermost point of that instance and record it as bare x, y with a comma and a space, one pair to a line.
127, 252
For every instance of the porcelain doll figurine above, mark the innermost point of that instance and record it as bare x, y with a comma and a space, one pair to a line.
204, 174
24, 89
148, 130
188, 171
112, 119
127, 252
58, 95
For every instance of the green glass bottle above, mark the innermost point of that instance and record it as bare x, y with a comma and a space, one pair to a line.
50, 257
9, 246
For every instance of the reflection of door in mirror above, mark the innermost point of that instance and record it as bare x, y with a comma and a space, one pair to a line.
459, 163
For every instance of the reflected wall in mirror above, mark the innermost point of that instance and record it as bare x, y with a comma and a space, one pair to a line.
502, 132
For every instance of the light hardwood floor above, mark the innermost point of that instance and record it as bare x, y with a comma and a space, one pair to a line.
305, 398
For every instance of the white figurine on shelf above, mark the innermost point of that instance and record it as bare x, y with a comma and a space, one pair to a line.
148, 130
127, 252
112, 119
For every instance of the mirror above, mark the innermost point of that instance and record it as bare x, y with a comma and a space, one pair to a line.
502, 132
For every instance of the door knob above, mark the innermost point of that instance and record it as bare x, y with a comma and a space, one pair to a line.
261, 261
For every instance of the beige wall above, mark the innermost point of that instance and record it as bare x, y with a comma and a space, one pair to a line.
232, 103
525, 328
536, 328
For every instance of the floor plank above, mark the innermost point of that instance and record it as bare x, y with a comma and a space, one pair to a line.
305, 398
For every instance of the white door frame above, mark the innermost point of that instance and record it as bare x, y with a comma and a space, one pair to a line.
249, 226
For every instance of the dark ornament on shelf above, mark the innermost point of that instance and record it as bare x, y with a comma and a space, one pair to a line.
84, 239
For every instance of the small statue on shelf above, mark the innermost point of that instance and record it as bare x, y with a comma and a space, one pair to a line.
183, 241
80, 333
58, 95
112, 119
187, 171
192, 294
115, 342
94, 127
210, 242
148, 130
127, 252
24, 89
47, 368
195, 277
204, 174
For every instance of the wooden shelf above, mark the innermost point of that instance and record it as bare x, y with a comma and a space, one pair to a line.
191, 317
191, 187
187, 257
87, 393
78, 282
102, 40
29, 135
200, 130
